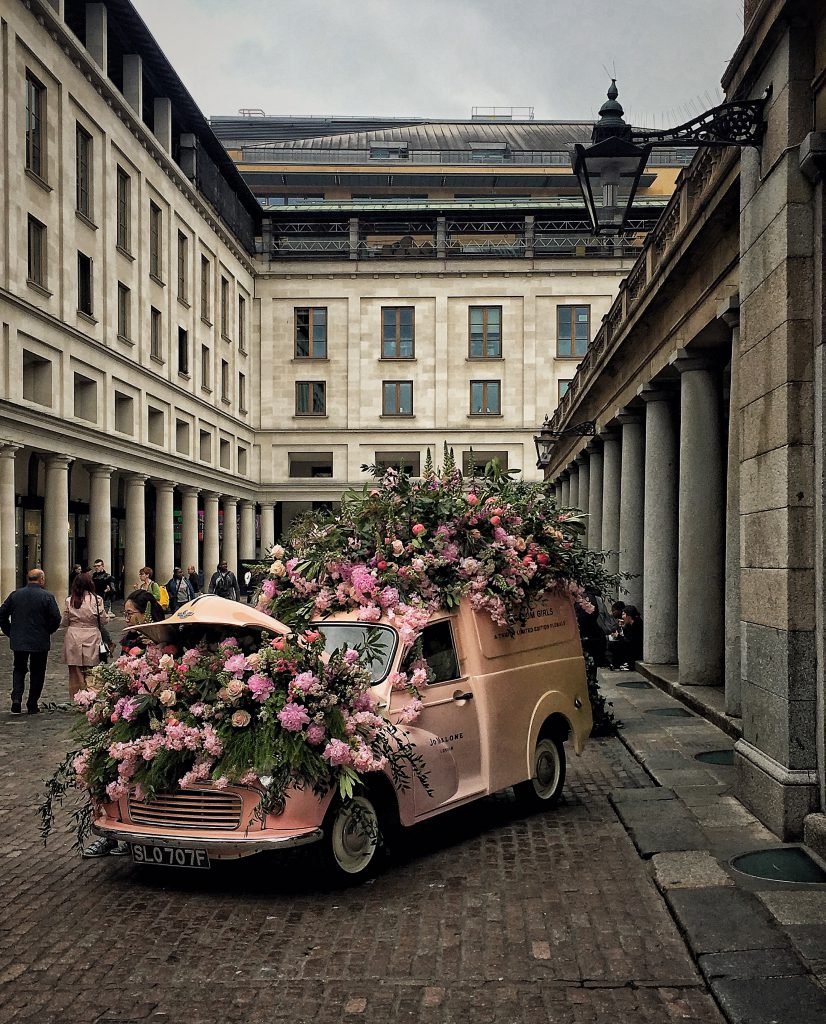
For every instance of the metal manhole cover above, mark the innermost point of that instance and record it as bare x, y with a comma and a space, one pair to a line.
715, 757
632, 685
670, 712
784, 864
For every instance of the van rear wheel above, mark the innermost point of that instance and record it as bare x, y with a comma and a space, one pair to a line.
544, 788
352, 839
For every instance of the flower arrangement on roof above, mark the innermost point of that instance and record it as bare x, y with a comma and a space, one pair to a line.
401, 548
280, 712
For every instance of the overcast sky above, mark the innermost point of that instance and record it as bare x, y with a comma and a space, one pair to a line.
439, 58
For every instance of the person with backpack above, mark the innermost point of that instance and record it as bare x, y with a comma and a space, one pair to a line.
146, 582
179, 589
224, 583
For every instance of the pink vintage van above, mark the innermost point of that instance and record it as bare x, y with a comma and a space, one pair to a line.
497, 714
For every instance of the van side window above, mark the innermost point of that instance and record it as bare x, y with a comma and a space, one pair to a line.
439, 652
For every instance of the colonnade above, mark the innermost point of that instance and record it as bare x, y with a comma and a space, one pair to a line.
236, 544
653, 484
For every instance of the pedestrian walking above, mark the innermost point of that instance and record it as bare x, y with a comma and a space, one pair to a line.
28, 617
224, 583
179, 589
196, 579
104, 584
84, 617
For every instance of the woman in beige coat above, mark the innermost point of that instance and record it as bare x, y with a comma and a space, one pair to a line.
81, 645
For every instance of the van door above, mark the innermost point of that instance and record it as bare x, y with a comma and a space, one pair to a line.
446, 733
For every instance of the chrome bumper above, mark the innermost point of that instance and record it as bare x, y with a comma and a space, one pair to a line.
219, 847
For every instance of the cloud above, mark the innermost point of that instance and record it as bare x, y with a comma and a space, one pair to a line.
438, 58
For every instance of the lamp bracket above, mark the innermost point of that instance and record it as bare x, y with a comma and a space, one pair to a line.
588, 428
730, 124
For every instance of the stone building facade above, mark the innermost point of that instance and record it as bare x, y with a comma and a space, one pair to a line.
706, 382
154, 405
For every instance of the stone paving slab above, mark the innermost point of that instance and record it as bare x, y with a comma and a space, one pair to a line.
669, 826
723, 920
695, 869
751, 963
486, 915
771, 1000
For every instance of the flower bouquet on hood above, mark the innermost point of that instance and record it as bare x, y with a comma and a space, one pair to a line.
273, 714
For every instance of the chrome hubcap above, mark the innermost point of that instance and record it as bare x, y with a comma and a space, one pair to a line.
546, 775
354, 836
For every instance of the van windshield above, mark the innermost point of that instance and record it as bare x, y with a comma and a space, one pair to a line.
354, 634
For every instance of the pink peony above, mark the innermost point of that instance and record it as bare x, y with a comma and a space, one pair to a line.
235, 664
293, 717
316, 734
260, 687
338, 753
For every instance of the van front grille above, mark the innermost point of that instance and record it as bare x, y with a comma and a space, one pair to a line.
191, 808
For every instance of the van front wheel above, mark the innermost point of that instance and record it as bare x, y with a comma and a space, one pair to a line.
544, 788
352, 837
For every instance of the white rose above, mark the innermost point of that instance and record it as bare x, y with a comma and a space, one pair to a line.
277, 551
167, 698
278, 569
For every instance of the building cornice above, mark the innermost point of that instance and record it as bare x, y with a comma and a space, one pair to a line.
48, 19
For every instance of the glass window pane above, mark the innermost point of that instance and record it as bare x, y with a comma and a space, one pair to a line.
493, 404
406, 398
563, 322
406, 348
476, 317
476, 398
389, 399
319, 397
302, 332
302, 395
563, 347
581, 346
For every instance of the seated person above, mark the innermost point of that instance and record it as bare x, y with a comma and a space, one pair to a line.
627, 649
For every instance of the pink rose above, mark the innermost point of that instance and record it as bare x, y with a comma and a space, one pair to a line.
418, 530
472, 499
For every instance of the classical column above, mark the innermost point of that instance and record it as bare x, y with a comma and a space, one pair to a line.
189, 527
730, 314
267, 528
583, 493
134, 557
632, 500
8, 520
659, 611
611, 462
565, 500
700, 611
247, 541
229, 549
164, 530
100, 514
595, 497
573, 477
211, 553
56, 526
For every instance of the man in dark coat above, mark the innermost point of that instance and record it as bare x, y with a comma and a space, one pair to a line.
28, 617
224, 583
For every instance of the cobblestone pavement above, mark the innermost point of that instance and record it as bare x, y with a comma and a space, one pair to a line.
484, 916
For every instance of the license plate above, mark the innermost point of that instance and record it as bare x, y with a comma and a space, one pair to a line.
166, 856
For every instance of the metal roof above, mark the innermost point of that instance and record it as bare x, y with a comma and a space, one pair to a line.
339, 134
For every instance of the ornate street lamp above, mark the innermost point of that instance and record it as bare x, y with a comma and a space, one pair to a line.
609, 170
547, 436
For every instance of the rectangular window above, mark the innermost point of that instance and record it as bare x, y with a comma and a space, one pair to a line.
573, 330
206, 287
183, 252
206, 369
242, 392
562, 388
124, 311
155, 333
37, 252
397, 398
84, 284
311, 398
485, 398
35, 112
224, 380
242, 324
311, 333
224, 307
83, 159
155, 228
397, 332
183, 351
485, 327
123, 211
